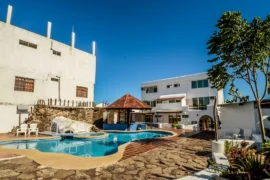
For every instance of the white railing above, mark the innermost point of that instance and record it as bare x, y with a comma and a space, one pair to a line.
65, 103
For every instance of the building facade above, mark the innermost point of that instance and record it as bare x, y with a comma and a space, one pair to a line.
184, 100
35, 67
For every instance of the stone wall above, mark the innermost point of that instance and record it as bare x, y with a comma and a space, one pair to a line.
43, 115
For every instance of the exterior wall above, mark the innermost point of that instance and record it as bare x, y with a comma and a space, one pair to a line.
238, 116
74, 67
9, 117
187, 91
265, 113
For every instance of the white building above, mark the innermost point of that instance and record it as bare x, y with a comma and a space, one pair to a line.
185, 100
35, 67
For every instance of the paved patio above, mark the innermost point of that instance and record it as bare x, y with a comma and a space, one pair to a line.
169, 159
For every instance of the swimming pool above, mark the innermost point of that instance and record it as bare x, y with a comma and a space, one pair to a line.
84, 147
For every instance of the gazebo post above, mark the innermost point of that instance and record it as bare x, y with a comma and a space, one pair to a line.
128, 122
151, 119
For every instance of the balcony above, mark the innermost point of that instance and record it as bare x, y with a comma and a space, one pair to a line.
201, 107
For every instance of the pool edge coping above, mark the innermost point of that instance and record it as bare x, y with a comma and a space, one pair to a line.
63, 161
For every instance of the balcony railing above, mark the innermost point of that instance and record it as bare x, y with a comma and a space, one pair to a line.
201, 107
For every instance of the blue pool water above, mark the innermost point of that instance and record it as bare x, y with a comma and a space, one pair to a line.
84, 147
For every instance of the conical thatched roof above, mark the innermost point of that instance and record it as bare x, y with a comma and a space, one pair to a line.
128, 102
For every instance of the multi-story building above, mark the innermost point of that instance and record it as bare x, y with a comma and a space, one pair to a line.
35, 67
186, 100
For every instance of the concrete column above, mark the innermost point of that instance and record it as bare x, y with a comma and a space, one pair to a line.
94, 48
49, 28
73, 39
9, 13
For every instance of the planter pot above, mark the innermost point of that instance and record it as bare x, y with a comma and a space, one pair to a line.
217, 146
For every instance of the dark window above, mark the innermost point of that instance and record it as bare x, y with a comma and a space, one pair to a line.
176, 85
175, 119
148, 118
152, 89
56, 53
205, 83
54, 79
24, 84
172, 101
25, 43
153, 103
178, 101
193, 122
81, 92
169, 86
200, 83
184, 116
194, 84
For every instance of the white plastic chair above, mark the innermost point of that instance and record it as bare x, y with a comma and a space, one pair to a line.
33, 129
22, 129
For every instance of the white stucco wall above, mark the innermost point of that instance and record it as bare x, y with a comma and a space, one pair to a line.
185, 88
9, 117
238, 116
75, 67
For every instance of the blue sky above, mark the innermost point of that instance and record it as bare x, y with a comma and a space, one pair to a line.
137, 40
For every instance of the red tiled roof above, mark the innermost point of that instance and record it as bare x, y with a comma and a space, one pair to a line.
128, 102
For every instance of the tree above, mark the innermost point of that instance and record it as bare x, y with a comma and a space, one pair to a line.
241, 50
237, 96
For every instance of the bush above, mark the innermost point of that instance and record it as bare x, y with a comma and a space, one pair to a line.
250, 167
175, 125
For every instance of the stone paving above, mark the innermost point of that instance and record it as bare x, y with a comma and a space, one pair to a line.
175, 159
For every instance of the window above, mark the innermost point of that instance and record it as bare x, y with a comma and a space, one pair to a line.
185, 116
176, 85
199, 84
81, 92
171, 119
152, 89
56, 53
153, 103
193, 122
172, 101
147, 102
159, 102
201, 101
177, 101
148, 118
25, 43
194, 84
169, 86
54, 79
205, 83
195, 101
175, 119
24, 84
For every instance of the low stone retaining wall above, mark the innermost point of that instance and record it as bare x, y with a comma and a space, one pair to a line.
43, 115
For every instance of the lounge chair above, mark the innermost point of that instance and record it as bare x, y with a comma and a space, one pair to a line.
33, 129
22, 129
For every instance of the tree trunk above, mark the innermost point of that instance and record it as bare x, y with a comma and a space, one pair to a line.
215, 118
261, 121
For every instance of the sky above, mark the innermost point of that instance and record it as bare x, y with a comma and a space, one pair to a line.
136, 40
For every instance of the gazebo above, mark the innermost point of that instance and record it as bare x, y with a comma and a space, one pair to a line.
126, 104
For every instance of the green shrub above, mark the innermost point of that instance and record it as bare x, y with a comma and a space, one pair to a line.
251, 167
175, 125
266, 149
